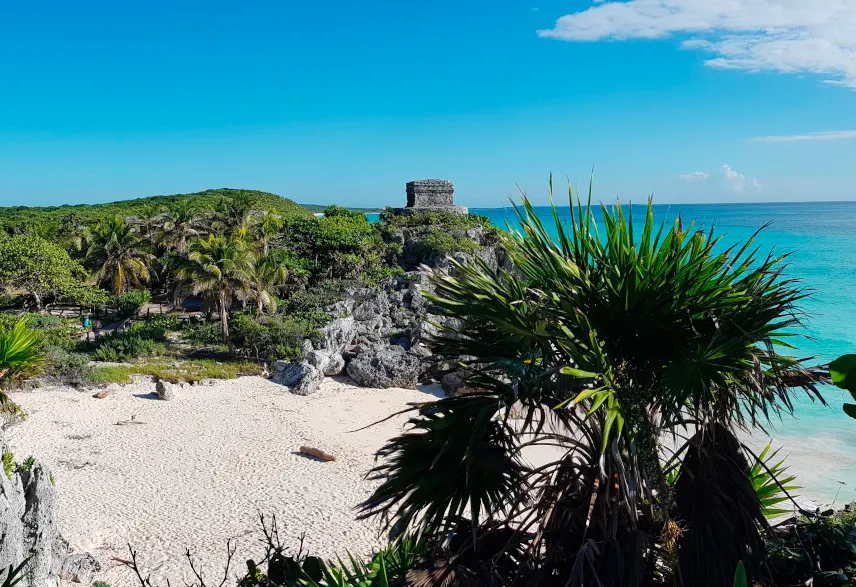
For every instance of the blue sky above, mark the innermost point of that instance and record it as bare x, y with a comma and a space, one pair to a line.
344, 102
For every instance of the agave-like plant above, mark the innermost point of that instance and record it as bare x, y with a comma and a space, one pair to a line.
20, 355
601, 349
772, 482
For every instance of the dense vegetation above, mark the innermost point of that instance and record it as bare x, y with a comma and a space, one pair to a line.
257, 269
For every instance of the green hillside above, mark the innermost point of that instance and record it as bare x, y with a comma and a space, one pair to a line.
22, 216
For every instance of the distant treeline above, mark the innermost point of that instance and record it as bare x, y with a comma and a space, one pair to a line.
21, 217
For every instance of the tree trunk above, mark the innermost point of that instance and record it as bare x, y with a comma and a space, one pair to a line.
259, 306
224, 320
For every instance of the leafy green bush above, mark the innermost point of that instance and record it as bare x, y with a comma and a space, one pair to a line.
130, 302
53, 330
122, 346
207, 333
311, 301
418, 218
273, 337
817, 550
156, 327
66, 368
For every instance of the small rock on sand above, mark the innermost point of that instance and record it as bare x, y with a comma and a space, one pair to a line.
164, 390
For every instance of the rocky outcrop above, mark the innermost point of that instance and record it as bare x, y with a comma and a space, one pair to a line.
389, 366
338, 335
29, 531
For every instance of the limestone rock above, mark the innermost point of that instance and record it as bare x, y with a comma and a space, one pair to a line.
164, 390
335, 366
310, 382
77, 567
384, 367
303, 378
329, 364
39, 522
337, 336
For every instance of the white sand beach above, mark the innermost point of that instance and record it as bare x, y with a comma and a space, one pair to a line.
196, 471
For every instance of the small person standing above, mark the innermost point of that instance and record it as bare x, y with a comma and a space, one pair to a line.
96, 330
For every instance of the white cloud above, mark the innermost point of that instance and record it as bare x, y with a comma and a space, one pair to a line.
789, 36
834, 135
738, 182
695, 176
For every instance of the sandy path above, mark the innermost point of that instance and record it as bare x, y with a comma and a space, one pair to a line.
199, 468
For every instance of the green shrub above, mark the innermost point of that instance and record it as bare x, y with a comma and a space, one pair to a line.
122, 346
156, 327
273, 337
67, 368
130, 302
207, 333
311, 301
53, 331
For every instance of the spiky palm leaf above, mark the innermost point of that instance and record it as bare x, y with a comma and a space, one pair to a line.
772, 482
627, 336
20, 355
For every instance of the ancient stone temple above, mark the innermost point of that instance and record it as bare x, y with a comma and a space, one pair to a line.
432, 195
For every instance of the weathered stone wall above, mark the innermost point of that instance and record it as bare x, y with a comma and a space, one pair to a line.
430, 193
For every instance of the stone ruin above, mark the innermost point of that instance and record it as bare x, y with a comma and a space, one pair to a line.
432, 195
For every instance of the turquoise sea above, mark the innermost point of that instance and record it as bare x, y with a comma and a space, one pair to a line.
821, 440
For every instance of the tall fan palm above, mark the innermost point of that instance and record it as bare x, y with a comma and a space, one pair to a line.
611, 345
217, 268
118, 255
179, 223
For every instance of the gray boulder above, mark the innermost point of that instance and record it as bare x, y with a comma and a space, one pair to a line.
77, 567
310, 382
335, 366
337, 336
377, 305
164, 390
303, 378
389, 366
328, 363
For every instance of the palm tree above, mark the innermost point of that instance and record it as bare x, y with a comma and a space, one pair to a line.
269, 272
218, 268
179, 223
267, 226
233, 212
612, 348
118, 256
